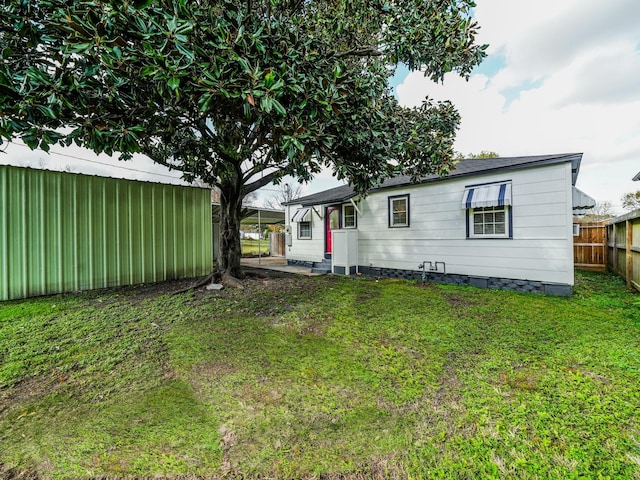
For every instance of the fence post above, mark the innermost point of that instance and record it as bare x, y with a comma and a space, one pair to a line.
629, 258
615, 248
605, 254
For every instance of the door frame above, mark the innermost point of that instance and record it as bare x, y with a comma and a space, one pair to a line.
327, 227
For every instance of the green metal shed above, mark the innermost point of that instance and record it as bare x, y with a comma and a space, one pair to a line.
62, 232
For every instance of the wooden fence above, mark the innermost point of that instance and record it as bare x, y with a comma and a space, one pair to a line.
589, 247
276, 244
623, 247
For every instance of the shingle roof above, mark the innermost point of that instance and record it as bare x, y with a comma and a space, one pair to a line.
463, 168
333, 195
637, 177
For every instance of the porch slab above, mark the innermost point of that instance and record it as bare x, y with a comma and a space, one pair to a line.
278, 264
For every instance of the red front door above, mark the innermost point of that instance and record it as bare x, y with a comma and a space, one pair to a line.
332, 222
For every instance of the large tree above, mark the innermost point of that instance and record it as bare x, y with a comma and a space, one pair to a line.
236, 93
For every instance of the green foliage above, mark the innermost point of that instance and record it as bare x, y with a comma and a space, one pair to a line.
482, 154
631, 200
307, 377
206, 86
238, 94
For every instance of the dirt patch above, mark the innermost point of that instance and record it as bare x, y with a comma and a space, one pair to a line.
271, 288
27, 390
7, 473
135, 294
205, 375
367, 296
457, 300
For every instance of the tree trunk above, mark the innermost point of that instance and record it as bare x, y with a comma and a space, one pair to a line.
230, 249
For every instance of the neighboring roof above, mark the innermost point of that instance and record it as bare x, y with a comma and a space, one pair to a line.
637, 177
464, 168
581, 201
250, 215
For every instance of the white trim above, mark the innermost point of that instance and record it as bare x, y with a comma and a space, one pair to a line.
344, 216
305, 237
355, 206
489, 210
400, 198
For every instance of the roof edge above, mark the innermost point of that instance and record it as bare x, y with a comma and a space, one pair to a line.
574, 158
529, 162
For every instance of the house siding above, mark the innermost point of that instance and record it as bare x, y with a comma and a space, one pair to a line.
306, 250
540, 250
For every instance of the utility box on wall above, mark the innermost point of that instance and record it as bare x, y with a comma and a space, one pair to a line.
62, 232
344, 258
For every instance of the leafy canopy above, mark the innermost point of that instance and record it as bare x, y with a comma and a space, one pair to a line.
238, 94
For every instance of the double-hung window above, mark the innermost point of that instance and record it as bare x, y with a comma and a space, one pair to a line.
304, 230
489, 210
348, 216
399, 211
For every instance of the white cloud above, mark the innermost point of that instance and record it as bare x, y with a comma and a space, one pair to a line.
577, 66
537, 38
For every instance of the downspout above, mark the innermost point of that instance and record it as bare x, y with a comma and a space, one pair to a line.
259, 238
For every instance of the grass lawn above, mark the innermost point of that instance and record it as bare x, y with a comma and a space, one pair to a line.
250, 247
310, 377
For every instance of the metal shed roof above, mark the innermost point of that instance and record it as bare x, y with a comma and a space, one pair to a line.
250, 214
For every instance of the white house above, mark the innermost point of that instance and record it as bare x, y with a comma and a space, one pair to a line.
493, 223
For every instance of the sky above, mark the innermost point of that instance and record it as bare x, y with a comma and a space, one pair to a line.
560, 77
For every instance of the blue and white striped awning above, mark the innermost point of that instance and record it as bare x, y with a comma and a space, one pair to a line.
492, 195
301, 215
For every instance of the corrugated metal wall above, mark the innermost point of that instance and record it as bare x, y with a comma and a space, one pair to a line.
63, 232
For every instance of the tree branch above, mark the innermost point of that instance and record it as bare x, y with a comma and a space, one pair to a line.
258, 167
267, 179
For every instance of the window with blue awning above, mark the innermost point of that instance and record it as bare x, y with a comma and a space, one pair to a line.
301, 215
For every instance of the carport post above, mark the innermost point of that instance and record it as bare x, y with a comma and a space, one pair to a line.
259, 239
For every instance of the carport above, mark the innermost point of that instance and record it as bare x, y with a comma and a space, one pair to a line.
250, 216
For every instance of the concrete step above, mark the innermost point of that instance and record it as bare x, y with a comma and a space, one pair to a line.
321, 271
323, 267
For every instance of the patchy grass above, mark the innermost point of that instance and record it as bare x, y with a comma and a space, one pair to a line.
303, 377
